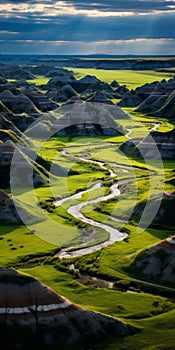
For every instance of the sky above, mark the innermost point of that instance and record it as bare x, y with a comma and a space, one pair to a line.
87, 27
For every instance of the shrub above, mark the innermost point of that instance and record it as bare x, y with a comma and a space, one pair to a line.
155, 303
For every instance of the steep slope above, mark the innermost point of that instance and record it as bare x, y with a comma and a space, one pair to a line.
157, 262
22, 121
100, 97
21, 166
165, 215
12, 210
18, 103
37, 313
149, 97
164, 142
160, 106
13, 71
61, 95
167, 109
87, 120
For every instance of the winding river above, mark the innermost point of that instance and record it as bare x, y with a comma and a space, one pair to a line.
75, 211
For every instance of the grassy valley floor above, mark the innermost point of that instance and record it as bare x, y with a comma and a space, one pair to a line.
86, 280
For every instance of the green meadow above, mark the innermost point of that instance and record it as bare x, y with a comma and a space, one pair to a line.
130, 78
34, 249
152, 313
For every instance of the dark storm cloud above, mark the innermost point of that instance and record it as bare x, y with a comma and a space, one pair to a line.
85, 21
129, 5
88, 29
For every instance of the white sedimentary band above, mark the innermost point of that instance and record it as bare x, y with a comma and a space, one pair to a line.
38, 308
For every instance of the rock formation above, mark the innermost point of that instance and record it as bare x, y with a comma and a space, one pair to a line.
166, 108
100, 97
156, 145
87, 120
13, 71
158, 98
115, 84
164, 217
20, 173
131, 99
40, 315
40, 100
63, 94
58, 81
150, 98
157, 262
27, 168
18, 103
13, 211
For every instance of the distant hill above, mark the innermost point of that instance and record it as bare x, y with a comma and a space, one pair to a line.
153, 61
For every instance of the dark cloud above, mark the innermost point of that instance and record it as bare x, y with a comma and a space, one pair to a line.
127, 5
151, 19
88, 29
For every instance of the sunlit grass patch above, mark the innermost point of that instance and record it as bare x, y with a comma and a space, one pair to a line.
130, 78
131, 304
39, 80
19, 241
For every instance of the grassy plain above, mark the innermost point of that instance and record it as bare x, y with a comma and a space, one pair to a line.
32, 254
101, 300
18, 242
152, 314
130, 78
144, 310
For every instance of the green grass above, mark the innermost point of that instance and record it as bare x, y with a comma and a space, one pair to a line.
18, 241
60, 232
39, 80
60, 229
67, 186
124, 250
131, 194
130, 78
156, 323
133, 305
165, 127
157, 334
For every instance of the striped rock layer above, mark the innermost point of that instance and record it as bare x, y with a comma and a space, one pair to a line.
28, 304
